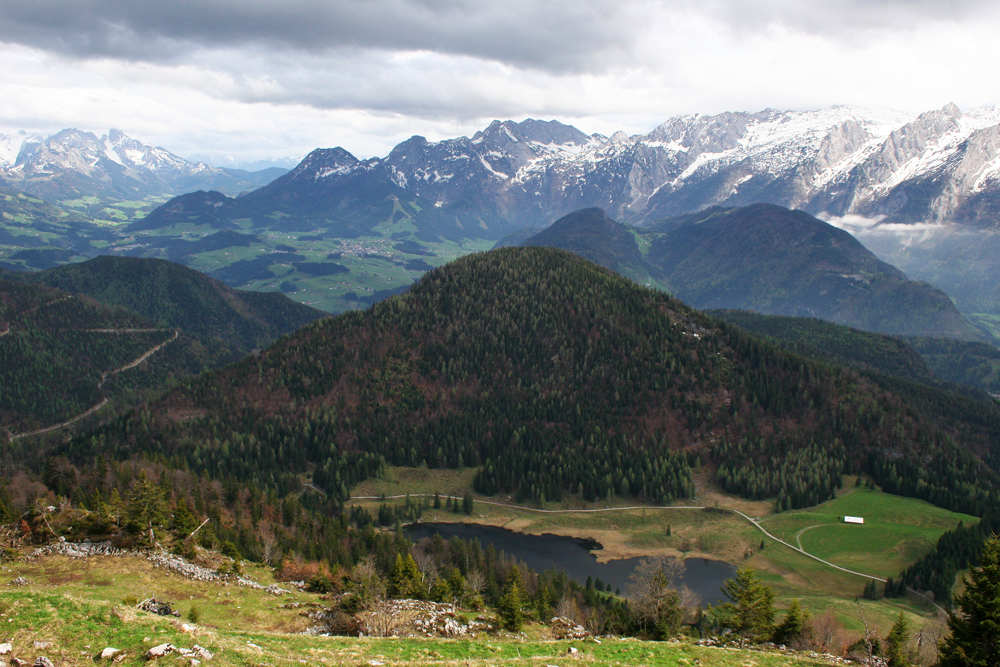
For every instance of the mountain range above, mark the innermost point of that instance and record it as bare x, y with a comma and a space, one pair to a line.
937, 166
890, 170
72, 164
899, 168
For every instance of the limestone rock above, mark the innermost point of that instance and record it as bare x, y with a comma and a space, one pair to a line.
202, 652
160, 651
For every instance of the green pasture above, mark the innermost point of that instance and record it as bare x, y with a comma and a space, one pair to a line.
897, 531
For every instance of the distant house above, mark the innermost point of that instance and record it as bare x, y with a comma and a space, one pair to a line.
854, 519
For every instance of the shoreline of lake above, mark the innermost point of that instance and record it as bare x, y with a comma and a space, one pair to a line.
574, 556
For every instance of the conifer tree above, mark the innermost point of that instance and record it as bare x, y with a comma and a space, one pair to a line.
975, 623
896, 653
184, 521
750, 612
406, 577
511, 605
146, 508
793, 625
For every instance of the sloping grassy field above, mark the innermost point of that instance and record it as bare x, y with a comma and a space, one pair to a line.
82, 606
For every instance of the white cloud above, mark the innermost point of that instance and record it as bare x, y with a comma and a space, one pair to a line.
256, 78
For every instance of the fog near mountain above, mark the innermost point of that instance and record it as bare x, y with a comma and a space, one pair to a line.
963, 262
224, 161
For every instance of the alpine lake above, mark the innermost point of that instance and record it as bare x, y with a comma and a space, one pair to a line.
575, 557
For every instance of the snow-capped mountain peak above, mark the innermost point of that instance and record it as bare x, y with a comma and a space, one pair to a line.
829, 161
73, 162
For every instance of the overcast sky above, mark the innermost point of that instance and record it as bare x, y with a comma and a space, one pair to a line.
263, 78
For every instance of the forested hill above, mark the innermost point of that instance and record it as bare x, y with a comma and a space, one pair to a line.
558, 376
176, 296
763, 258
55, 348
781, 262
70, 326
966, 367
591, 234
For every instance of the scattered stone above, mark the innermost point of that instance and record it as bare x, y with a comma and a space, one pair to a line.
376, 663
187, 627
572, 650
109, 653
158, 558
21, 581
202, 652
160, 651
17, 662
154, 606
6, 648
194, 663
42, 661
252, 645
41, 645
564, 628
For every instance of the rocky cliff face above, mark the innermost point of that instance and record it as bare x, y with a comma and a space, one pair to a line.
934, 167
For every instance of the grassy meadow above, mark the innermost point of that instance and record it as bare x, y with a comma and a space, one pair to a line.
82, 607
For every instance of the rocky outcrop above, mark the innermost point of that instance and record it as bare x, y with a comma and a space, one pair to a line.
158, 558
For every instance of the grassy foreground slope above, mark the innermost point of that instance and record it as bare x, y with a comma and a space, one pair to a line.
82, 607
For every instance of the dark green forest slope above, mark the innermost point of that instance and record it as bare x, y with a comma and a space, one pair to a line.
763, 258
56, 360
560, 377
55, 347
176, 296
949, 364
591, 234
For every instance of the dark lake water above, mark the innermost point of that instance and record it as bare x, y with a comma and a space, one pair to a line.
573, 556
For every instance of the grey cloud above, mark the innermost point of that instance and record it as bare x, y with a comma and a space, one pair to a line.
833, 17
554, 35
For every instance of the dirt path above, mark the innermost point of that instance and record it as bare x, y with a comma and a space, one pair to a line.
798, 535
117, 331
100, 385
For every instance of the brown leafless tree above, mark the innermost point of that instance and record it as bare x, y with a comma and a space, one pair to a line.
381, 619
269, 550
369, 584
826, 634
653, 593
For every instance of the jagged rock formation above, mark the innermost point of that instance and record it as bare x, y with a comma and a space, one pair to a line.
938, 166
73, 164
